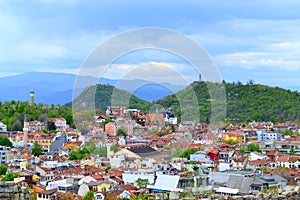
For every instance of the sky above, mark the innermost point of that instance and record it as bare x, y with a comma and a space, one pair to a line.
258, 40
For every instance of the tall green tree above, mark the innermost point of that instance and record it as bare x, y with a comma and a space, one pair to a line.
3, 170
253, 148
51, 126
142, 183
37, 149
5, 142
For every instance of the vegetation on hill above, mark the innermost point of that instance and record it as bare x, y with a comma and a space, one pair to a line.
245, 103
12, 113
100, 96
5, 142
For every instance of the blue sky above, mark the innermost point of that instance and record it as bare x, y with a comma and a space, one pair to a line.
256, 39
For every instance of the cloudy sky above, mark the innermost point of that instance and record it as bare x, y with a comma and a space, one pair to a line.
256, 39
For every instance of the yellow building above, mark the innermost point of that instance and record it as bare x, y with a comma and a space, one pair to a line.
237, 137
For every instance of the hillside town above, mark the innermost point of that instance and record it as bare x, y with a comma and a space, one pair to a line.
130, 154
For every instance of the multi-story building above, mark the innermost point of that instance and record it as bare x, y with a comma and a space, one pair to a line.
3, 127
60, 123
35, 126
4, 154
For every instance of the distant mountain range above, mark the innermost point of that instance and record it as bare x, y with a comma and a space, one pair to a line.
57, 88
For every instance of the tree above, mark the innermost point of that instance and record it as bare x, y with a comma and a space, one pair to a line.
9, 177
5, 142
37, 149
16, 125
121, 131
77, 155
187, 153
292, 152
177, 152
3, 170
253, 148
141, 183
114, 148
51, 125
89, 196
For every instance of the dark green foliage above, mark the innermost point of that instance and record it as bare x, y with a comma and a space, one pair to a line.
10, 177
51, 126
93, 149
36, 149
5, 142
89, 196
292, 152
104, 95
253, 148
245, 103
79, 154
187, 152
12, 113
141, 183
3, 170
114, 148
122, 131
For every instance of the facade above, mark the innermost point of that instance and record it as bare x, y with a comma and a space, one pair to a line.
3, 127
4, 154
60, 123
36, 126
238, 137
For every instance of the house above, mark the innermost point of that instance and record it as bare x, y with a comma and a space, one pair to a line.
100, 118
115, 112
60, 123
235, 136
288, 161
35, 126
139, 152
155, 120
267, 182
267, 135
46, 195
4, 154
41, 138
3, 127
272, 154
239, 163
257, 156
111, 129
213, 153
131, 177
165, 183
200, 156
250, 136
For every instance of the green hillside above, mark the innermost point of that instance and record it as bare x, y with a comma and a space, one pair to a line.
100, 96
244, 102
12, 113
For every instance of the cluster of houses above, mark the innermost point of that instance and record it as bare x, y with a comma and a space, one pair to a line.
146, 162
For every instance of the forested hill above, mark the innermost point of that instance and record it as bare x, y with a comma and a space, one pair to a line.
12, 113
100, 96
244, 102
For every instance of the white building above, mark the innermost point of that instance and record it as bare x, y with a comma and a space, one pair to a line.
130, 178
60, 123
3, 127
